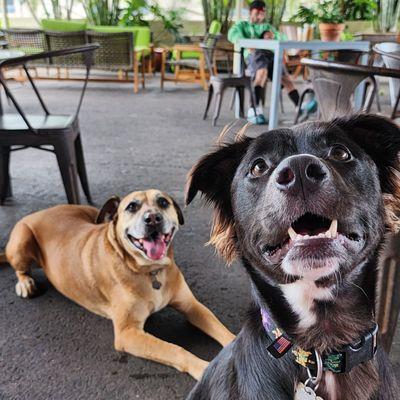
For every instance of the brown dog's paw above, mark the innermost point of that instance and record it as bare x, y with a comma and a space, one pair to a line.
25, 287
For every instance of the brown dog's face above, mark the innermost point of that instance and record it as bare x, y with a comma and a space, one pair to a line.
145, 224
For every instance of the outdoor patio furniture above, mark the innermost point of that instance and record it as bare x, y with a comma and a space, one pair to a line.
187, 61
30, 41
334, 84
279, 47
61, 132
219, 83
390, 53
348, 56
117, 53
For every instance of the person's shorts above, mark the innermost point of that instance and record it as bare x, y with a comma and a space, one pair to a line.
262, 59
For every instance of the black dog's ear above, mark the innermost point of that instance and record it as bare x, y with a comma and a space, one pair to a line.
107, 212
179, 212
212, 176
380, 139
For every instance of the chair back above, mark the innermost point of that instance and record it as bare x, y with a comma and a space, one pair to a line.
28, 41
208, 46
64, 40
86, 52
334, 85
115, 51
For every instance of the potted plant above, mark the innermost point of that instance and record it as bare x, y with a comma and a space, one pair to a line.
330, 19
327, 15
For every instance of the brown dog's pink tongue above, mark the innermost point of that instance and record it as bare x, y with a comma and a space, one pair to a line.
155, 249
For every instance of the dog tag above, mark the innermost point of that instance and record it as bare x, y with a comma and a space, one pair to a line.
305, 393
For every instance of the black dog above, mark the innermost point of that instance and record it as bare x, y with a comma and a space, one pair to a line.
306, 209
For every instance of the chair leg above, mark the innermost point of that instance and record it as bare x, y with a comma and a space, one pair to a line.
252, 98
233, 98
281, 101
80, 160
65, 152
5, 181
240, 91
210, 96
218, 103
302, 96
394, 111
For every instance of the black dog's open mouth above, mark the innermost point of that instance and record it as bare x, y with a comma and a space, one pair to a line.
155, 245
310, 230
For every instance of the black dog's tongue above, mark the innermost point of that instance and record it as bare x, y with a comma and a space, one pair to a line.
155, 247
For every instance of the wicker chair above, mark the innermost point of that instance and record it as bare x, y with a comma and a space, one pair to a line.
117, 53
63, 40
30, 41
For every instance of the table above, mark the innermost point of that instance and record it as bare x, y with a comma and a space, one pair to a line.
278, 47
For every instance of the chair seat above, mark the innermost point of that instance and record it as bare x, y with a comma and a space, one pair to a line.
232, 81
195, 64
14, 122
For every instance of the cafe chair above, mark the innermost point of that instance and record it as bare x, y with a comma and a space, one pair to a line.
57, 133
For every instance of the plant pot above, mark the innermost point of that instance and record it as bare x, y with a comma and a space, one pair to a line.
330, 32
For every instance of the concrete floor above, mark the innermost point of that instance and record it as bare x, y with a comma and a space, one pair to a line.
51, 348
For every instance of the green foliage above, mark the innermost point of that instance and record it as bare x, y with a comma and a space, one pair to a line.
102, 12
140, 12
57, 9
358, 10
218, 10
387, 15
325, 11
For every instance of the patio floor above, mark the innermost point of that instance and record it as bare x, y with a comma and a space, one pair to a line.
51, 348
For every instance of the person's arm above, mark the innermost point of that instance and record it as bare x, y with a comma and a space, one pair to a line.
236, 32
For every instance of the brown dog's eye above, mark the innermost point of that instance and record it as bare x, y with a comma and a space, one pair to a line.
340, 153
162, 202
133, 206
259, 168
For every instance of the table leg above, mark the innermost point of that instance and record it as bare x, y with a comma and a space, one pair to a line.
237, 68
275, 89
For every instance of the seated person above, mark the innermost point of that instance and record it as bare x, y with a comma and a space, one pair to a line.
260, 62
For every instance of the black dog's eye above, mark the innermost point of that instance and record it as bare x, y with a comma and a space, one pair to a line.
133, 206
162, 202
339, 153
259, 168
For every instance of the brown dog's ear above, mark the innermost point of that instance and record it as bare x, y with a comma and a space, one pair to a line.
212, 176
179, 212
380, 139
109, 209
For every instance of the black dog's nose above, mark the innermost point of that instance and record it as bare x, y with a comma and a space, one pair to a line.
150, 218
300, 172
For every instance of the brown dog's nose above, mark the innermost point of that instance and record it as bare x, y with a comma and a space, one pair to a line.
151, 218
302, 172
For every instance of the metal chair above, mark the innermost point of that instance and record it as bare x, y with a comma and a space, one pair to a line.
60, 131
334, 84
348, 56
390, 53
219, 83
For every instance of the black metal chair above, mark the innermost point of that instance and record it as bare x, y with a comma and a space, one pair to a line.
219, 83
60, 131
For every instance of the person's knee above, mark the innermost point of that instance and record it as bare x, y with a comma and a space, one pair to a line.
261, 76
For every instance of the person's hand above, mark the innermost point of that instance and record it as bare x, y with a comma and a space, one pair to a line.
268, 35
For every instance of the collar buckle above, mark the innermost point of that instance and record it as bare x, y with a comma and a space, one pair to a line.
362, 351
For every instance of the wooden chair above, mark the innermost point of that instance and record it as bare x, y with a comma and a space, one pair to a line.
189, 70
57, 133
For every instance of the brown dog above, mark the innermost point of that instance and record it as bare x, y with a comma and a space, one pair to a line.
121, 268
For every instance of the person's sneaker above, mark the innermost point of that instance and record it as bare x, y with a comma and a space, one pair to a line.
257, 119
310, 107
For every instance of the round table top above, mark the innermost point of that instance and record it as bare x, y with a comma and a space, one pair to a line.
5, 54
